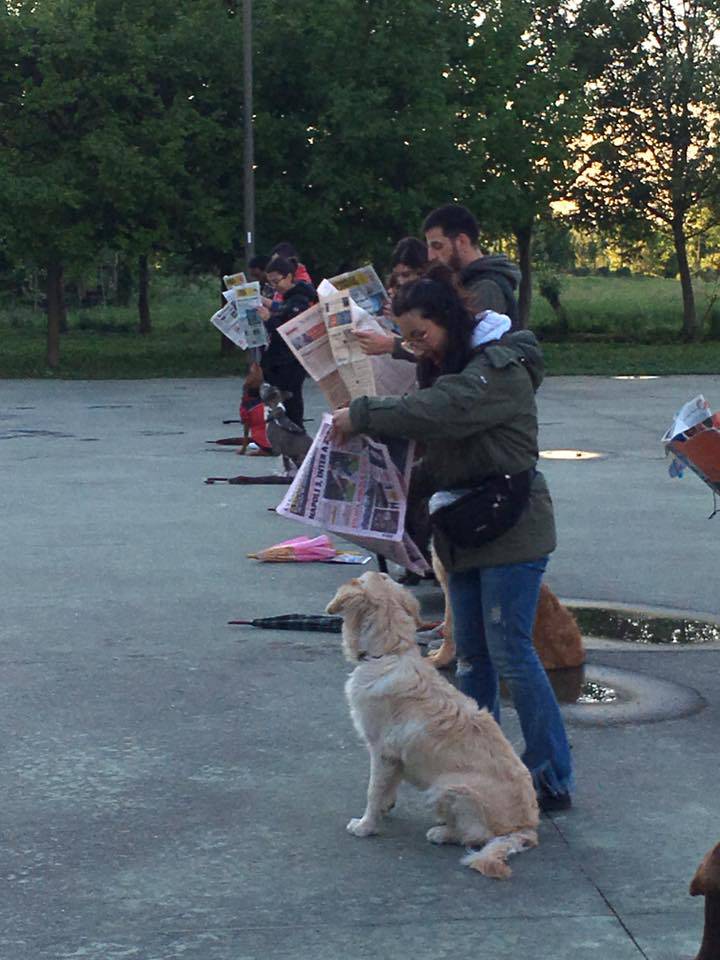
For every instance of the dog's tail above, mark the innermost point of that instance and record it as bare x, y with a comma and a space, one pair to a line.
491, 861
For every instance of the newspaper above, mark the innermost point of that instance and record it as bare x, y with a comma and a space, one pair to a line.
365, 287
323, 341
353, 364
239, 319
358, 489
234, 280
352, 488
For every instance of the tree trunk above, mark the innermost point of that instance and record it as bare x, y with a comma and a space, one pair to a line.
55, 308
62, 309
690, 329
226, 346
123, 287
143, 299
523, 238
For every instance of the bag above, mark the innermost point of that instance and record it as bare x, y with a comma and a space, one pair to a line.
472, 517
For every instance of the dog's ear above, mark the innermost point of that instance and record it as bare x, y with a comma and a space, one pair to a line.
286, 394
408, 603
348, 595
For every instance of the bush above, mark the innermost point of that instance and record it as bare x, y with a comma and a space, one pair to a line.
623, 272
709, 275
602, 272
713, 323
671, 267
581, 272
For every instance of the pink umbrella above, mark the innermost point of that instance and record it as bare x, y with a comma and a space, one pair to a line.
299, 549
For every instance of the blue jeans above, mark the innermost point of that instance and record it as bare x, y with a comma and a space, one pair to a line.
494, 612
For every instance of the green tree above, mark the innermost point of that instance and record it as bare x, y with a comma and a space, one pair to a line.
651, 149
523, 85
355, 123
114, 121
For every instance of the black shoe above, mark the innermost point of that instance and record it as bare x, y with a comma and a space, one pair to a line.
552, 802
409, 579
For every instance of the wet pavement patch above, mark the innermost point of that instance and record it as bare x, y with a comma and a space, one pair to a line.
637, 627
19, 433
635, 698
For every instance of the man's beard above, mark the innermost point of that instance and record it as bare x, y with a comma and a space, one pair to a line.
455, 263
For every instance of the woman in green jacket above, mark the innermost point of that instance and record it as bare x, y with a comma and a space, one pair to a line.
476, 416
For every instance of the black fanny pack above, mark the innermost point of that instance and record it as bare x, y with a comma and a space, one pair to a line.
480, 514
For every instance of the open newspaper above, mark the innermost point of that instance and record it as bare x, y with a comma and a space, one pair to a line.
239, 319
324, 342
358, 490
694, 441
365, 288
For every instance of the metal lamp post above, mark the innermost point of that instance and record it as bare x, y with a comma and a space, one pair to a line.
249, 151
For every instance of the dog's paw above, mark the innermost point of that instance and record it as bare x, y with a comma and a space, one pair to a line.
440, 834
361, 828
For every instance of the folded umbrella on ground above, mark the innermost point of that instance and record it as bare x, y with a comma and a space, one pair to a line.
243, 480
297, 550
313, 622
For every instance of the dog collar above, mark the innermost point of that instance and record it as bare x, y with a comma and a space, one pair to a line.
364, 655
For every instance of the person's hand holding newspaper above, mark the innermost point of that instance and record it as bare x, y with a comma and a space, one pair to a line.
341, 425
374, 343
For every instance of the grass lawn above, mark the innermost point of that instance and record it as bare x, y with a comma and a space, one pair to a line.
618, 325
632, 309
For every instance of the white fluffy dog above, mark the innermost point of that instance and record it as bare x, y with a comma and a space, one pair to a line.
421, 729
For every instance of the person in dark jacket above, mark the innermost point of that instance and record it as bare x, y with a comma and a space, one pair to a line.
476, 415
489, 280
279, 365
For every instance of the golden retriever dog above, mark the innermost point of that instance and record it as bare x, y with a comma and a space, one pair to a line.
419, 728
556, 635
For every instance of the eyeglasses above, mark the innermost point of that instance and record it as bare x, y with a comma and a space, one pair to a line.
414, 341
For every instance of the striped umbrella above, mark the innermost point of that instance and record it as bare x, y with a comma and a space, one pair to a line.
312, 622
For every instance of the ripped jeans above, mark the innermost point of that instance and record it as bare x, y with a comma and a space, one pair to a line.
494, 612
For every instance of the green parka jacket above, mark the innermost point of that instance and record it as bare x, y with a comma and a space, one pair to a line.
475, 423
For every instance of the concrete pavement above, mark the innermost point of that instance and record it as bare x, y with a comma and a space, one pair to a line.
177, 788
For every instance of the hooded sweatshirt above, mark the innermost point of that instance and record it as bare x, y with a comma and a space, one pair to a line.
491, 282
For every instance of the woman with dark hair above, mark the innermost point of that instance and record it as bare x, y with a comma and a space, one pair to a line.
408, 260
279, 365
476, 415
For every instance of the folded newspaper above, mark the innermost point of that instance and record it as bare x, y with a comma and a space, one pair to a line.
239, 319
694, 441
358, 490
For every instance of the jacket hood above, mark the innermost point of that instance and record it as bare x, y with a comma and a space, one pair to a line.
490, 326
495, 263
521, 346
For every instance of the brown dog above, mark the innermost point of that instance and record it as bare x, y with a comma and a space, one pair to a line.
706, 883
556, 635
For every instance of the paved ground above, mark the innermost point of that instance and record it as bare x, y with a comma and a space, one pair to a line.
177, 788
